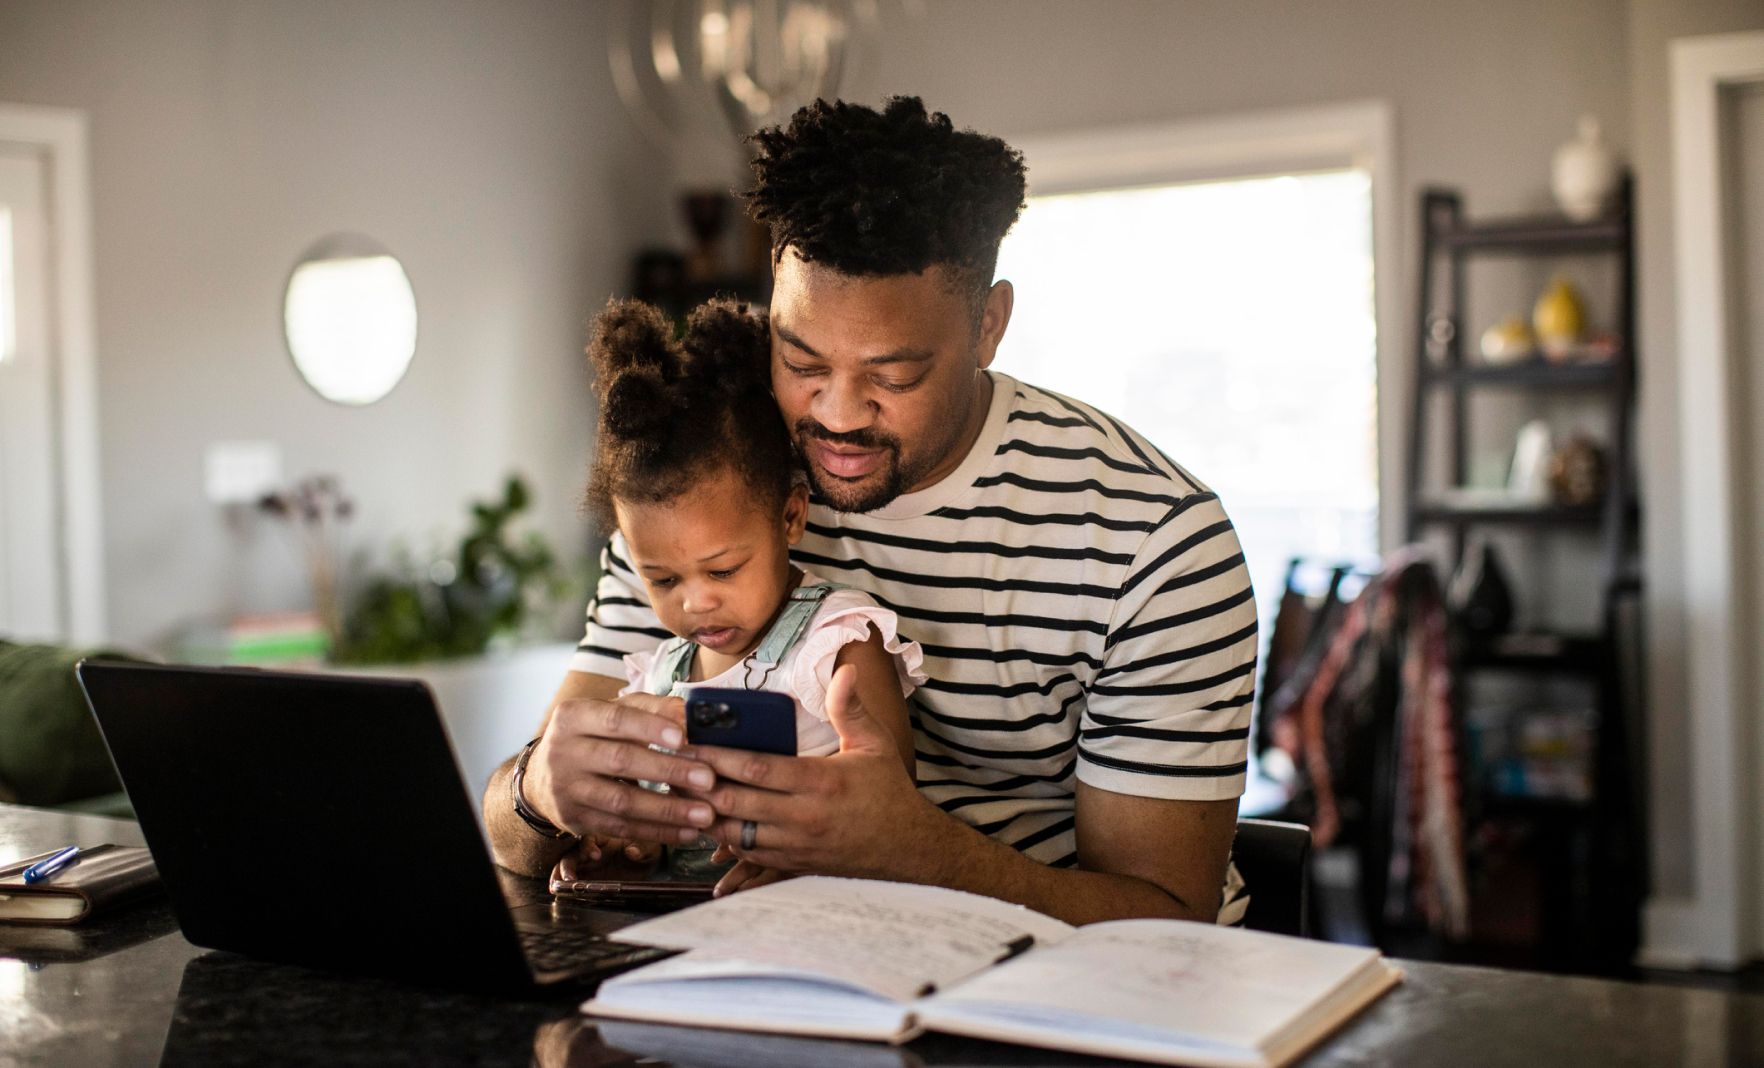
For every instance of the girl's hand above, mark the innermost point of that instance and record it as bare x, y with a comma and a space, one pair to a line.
632, 849
600, 856
746, 875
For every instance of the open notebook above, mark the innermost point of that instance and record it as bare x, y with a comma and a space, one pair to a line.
854, 958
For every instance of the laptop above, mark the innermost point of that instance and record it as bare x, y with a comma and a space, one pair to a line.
322, 820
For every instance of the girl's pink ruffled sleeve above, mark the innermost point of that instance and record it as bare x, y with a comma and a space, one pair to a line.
849, 616
637, 667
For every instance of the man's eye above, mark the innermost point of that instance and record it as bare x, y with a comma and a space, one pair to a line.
900, 387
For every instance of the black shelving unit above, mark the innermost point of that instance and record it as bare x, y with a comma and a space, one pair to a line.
1590, 863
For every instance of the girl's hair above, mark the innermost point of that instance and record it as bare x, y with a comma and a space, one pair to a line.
674, 411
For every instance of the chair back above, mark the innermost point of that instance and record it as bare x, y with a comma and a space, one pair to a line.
1275, 861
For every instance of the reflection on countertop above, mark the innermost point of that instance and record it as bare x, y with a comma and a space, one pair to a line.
133, 991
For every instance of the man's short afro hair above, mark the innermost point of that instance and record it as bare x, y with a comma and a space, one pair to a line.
876, 193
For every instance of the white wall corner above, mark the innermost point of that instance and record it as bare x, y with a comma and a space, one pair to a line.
1717, 923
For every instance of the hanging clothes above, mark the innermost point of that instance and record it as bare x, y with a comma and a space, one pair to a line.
1369, 719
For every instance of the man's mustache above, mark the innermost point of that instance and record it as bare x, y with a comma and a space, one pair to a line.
808, 429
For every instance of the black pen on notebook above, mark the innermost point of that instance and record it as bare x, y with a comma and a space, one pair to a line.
51, 864
1016, 947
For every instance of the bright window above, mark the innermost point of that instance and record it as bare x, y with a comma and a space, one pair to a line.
1231, 322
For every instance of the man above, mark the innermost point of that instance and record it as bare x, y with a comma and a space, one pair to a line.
1082, 601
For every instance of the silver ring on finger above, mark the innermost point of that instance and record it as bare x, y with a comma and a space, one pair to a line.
749, 830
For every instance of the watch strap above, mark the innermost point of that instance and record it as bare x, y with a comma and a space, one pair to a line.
526, 812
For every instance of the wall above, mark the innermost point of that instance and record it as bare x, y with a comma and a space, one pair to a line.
1653, 24
1483, 93
482, 143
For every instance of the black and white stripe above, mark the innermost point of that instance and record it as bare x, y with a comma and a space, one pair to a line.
1084, 610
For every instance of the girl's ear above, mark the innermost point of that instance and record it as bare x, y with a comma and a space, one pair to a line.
795, 513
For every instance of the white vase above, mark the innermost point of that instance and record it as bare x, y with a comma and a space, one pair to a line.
1585, 173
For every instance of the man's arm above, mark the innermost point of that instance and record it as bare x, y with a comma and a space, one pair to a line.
515, 845
1137, 857
579, 776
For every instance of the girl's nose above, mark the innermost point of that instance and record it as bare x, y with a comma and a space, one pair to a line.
700, 598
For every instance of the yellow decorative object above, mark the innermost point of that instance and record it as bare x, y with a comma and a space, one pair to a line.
1559, 319
1508, 341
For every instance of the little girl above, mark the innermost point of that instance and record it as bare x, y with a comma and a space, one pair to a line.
694, 467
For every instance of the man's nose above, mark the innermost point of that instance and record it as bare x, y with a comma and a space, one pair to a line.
842, 406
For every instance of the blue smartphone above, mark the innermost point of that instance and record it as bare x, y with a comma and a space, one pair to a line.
756, 720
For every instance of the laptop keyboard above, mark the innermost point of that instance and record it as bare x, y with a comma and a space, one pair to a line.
579, 949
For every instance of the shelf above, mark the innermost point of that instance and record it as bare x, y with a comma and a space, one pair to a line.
1577, 846
1543, 653
1543, 515
1537, 234
1562, 808
1532, 374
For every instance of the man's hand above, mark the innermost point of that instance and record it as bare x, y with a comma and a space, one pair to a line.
581, 773
845, 814
858, 813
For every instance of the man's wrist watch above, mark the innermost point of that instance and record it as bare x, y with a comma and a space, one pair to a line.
525, 811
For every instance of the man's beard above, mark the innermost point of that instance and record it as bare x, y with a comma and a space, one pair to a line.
865, 494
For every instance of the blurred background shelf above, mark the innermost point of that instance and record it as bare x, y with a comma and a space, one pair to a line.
1566, 858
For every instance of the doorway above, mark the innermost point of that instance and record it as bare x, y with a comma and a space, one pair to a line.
51, 548
31, 598
1746, 133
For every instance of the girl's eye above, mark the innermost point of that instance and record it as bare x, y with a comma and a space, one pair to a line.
802, 371
662, 583
726, 573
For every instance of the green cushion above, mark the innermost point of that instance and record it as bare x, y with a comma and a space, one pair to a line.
50, 749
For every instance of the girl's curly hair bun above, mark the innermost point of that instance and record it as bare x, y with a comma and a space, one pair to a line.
637, 404
673, 412
729, 347
630, 335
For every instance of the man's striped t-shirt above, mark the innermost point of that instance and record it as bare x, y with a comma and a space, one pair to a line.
1083, 606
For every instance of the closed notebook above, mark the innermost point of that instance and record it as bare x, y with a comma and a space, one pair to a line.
104, 876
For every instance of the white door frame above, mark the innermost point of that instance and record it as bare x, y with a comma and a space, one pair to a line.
1720, 922
58, 137
1320, 137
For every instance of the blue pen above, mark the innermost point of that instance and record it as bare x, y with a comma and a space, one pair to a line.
49, 865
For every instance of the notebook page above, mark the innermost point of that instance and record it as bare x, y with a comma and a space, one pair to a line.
889, 938
1220, 988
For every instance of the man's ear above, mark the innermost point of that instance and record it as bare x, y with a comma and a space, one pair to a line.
994, 317
795, 513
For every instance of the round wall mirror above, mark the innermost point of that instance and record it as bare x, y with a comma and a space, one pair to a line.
350, 318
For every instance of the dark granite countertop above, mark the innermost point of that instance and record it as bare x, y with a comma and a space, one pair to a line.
130, 990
